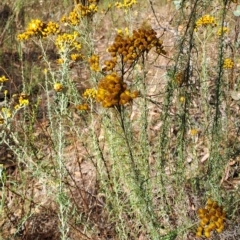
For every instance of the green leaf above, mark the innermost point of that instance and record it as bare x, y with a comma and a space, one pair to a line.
170, 236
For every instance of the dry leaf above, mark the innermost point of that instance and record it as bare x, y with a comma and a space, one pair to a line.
205, 157
235, 95
12, 231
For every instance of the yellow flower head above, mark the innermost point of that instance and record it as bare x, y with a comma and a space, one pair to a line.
228, 63
93, 8
182, 99
51, 28
3, 79
35, 25
82, 107
110, 64
17, 106
23, 36
123, 32
76, 57
58, 87
59, 61
222, 31
193, 132
23, 99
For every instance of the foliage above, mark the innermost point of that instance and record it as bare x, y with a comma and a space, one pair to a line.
121, 128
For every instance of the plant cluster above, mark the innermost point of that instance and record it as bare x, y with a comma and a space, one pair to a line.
212, 217
112, 89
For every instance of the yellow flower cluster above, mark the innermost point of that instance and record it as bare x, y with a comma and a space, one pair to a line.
112, 91
92, 8
94, 63
205, 21
212, 217
90, 93
82, 107
222, 31
228, 63
23, 100
120, 31
67, 41
78, 12
50, 28
3, 79
125, 4
76, 57
34, 29
73, 18
37, 28
130, 48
